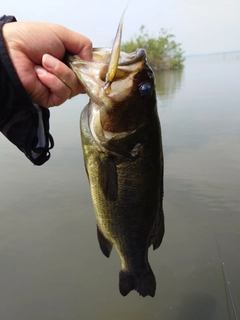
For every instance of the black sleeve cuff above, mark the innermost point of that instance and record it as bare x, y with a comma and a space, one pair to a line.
25, 124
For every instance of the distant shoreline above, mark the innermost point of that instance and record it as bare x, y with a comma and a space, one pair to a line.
210, 54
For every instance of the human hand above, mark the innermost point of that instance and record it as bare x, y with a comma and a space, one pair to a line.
36, 50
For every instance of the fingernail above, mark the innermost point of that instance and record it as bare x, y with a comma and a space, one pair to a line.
49, 61
39, 70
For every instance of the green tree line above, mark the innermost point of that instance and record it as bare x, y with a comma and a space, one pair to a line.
163, 52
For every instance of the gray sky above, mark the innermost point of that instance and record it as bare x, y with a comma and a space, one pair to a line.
202, 26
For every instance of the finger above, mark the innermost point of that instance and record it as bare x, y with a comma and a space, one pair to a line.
57, 91
65, 74
74, 42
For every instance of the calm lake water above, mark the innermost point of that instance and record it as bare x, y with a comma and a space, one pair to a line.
51, 267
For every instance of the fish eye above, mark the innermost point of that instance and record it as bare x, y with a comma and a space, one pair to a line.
145, 89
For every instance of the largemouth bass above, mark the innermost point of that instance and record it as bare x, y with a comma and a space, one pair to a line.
122, 148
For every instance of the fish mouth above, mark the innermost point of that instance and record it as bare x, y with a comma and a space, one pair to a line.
101, 58
110, 75
94, 75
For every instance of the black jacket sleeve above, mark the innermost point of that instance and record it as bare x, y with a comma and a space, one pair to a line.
25, 124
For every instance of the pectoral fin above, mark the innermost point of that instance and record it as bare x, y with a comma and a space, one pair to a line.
105, 244
108, 178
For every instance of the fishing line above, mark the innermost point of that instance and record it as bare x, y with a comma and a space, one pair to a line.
227, 285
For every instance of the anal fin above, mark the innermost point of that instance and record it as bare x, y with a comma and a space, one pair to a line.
105, 244
158, 231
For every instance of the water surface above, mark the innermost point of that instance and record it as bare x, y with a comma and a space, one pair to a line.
51, 266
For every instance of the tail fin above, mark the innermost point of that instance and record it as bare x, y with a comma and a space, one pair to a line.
144, 284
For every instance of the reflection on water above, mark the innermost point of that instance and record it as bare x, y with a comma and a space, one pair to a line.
168, 82
51, 266
197, 306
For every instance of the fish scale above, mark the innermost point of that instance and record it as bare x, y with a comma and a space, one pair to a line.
122, 149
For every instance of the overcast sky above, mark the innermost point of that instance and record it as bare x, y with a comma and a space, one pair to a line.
202, 26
